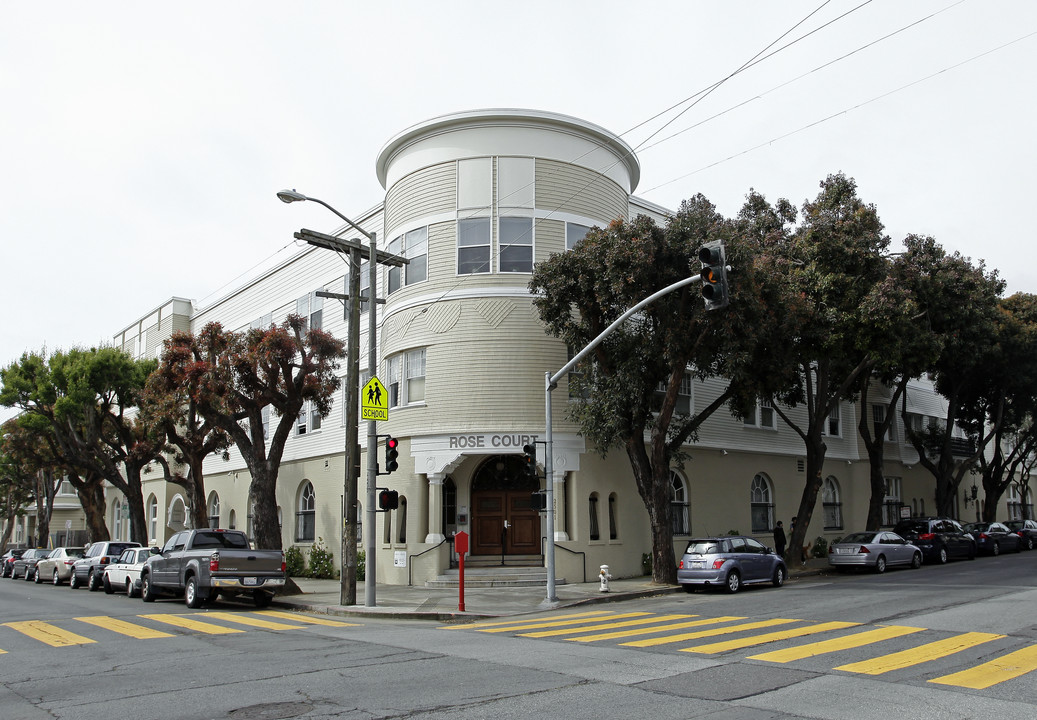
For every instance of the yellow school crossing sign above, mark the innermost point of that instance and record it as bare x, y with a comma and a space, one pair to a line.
374, 401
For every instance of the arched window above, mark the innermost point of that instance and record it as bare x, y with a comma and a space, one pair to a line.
449, 505
613, 532
401, 519
121, 518
153, 519
233, 525
832, 503
761, 504
214, 510
305, 514
595, 533
679, 504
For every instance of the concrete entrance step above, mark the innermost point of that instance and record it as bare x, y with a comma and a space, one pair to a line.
523, 561
494, 577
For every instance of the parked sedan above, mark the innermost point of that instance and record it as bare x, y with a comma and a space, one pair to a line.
874, 550
7, 562
937, 538
994, 538
25, 566
124, 573
57, 567
1025, 529
729, 562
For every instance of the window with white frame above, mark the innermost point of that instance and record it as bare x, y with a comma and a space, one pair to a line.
833, 423
679, 507
121, 517
574, 232
406, 378
153, 518
412, 245
515, 237
214, 510
311, 308
473, 246
832, 504
262, 322
516, 183
305, 516
684, 393
309, 418
891, 501
265, 414
878, 416
761, 504
762, 416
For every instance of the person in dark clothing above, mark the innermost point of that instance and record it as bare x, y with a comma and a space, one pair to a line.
779, 539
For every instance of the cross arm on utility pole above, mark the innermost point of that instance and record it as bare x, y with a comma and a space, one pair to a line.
338, 244
345, 296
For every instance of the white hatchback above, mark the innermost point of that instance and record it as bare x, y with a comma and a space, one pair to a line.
124, 573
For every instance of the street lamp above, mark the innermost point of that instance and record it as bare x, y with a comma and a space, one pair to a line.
352, 441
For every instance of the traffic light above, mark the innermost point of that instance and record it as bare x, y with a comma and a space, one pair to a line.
714, 275
392, 452
388, 500
529, 459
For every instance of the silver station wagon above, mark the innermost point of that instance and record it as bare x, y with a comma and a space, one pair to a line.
729, 562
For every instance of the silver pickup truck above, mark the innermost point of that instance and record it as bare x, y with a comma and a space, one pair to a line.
202, 564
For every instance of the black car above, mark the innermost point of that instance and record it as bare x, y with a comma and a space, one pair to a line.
89, 569
25, 566
7, 562
994, 538
937, 538
1025, 529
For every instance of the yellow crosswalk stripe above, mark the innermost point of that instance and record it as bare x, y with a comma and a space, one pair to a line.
49, 634
654, 629
920, 654
739, 643
188, 624
124, 628
652, 642
309, 619
547, 623
846, 642
990, 673
497, 623
251, 621
604, 626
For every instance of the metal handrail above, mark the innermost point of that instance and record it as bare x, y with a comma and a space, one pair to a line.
411, 557
574, 552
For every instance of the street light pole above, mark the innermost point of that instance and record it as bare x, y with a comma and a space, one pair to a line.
352, 420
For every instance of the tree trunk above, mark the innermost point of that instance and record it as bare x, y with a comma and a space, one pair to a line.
878, 489
197, 493
816, 449
265, 528
135, 497
91, 497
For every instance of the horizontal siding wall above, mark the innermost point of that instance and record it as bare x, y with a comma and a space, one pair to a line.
431, 191
568, 188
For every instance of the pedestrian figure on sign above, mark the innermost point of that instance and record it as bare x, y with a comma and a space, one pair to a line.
779, 539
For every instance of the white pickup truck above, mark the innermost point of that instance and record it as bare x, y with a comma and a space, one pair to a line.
201, 564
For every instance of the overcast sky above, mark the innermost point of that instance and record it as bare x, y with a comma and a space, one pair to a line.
143, 143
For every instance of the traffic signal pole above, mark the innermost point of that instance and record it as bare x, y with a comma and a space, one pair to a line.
550, 383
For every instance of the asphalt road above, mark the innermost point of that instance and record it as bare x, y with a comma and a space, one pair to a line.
954, 641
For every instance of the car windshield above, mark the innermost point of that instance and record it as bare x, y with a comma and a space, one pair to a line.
702, 547
977, 527
1015, 524
75, 552
912, 526
858, 538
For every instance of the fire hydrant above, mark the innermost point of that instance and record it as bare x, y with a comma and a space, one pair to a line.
604, 577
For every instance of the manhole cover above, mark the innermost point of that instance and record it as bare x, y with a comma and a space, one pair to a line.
270, 711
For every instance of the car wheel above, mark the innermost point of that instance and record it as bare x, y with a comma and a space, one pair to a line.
997, 549
28, 577
733, 581
779, 576
191, 596
916, 561
1029, 543
130, 590
93, 582
262, 599
36, 578
880, 564
73, 581
108, 589
55, 579
943, 556
147, 594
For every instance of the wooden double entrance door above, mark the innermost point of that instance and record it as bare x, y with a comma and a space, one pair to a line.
503, 520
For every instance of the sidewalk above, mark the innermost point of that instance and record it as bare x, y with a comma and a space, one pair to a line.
441, 604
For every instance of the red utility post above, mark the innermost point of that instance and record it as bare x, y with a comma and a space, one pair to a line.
461, 546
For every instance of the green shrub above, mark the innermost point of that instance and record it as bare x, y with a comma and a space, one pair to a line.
361, 565
646, 563
294, 563
322, 563
820, 549
733, 532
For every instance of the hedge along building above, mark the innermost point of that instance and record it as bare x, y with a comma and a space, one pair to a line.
473, 200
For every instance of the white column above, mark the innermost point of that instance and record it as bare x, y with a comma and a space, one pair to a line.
435, 508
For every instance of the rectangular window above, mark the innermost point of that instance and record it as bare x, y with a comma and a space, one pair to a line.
406, 378
474, 183
309, 419
415, 249
515, 182
311, 308
878, 416
684, 399
473, 246
574, 233
833, 424
395, 247
516, 244
263, 322
762, 416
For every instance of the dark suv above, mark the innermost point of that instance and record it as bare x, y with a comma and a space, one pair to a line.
938, 538
89, 569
